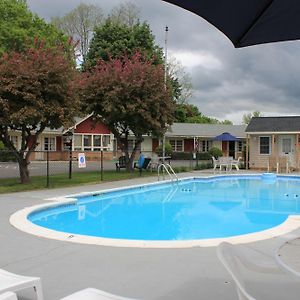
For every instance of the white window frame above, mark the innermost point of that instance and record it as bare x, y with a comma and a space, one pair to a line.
49, 143
205, 146
240, 146
259, 145
92, 148
97, 148
175, 146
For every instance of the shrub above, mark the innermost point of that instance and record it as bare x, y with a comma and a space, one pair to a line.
203, 166
182, 155
189, 155
216, 152
168, 150
181, 169
203, 156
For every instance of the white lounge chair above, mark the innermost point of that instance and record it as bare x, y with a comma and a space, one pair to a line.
10, 282
257, 273
8, 296
94, 294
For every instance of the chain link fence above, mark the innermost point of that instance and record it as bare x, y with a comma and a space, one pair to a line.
66, 163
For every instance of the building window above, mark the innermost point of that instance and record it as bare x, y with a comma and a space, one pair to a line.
286, 145
91, 142
264, 145
106, 141
77, 142
205, 146
97, 143
49, 143
240, 146
87, 142
177, 145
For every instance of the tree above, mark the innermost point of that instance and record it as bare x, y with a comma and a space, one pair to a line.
181, 81
79, 24
189, 113
247, 117
112, 40
226, 122
126, 13
130, 97
35, 92
19, 28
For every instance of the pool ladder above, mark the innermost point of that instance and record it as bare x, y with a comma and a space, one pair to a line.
169, 170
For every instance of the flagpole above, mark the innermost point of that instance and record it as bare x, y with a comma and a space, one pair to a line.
166, 72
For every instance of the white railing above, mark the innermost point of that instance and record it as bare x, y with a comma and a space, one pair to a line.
169, 170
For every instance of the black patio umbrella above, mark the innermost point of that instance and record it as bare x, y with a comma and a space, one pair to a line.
249, 22
226, 137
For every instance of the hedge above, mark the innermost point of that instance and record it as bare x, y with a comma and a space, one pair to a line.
189, 156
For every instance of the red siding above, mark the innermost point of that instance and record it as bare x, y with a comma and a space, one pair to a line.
155, 144
58, 143
90, 126
189, 145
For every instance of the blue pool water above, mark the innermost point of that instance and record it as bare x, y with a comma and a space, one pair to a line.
191, 209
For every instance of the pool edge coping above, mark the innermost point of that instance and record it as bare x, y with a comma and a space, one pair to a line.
20, 221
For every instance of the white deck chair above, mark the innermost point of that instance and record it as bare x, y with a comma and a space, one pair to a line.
257, 272
94, 294
13, 283
8, 296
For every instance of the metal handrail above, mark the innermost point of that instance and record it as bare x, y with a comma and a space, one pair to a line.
165, 167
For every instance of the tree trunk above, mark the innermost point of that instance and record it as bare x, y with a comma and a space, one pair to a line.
24, 172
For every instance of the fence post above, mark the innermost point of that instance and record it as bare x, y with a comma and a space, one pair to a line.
70, 162
47, 156
101, 165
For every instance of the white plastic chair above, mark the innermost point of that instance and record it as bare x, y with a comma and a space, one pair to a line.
236, 164
8, 296
94, 294
10, 282
216, 162
259, 272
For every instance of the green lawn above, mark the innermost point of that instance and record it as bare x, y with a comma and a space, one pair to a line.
61, 180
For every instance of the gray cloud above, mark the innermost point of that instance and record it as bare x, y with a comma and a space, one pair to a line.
263, 77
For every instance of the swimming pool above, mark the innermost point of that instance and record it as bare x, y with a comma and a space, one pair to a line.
192, 209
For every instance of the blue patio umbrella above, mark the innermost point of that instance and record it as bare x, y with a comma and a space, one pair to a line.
226, 137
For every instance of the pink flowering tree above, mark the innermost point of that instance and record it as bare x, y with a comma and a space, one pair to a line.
36, 91
129, 95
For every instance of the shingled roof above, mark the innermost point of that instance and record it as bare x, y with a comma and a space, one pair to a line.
274, 124
205, 130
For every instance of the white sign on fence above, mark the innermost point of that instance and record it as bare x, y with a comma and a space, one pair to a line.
81, 160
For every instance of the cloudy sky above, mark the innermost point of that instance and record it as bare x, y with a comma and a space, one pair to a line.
227, 82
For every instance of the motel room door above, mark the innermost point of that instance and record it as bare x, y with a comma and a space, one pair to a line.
231, 147
286, 145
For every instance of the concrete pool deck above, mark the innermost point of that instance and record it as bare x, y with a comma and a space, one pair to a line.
190, 273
